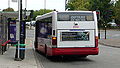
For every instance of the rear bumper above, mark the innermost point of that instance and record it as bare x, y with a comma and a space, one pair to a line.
75, 51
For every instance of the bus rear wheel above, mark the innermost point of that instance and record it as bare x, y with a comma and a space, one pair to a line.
84, 56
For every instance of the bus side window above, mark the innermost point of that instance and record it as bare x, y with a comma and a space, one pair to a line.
49, 30
49, 27
42, 30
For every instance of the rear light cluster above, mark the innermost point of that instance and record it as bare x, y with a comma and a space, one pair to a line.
54, 40
96, 41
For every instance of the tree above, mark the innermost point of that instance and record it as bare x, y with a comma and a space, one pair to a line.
40, 12
9, 9
105, 8
103, 5
117, 12
78, 5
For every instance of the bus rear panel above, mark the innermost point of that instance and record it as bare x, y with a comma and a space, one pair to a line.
71, 33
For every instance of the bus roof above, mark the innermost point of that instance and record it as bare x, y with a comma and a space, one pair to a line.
44, 15
51, 13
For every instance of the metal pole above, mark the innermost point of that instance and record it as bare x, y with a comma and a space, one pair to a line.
20, 11
99, 32
44, 6
105, 31
17, 55
20, 19
25, 3
8, 3
25, 8
22, 33
65, 4
18, 52
99, 24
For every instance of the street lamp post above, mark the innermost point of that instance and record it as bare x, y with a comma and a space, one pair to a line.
44, 6
20, 53
25, 9
22, 33
8, 3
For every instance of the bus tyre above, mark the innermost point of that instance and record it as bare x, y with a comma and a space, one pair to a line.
36, 50
46, 51
46, 55
49, 57
35, 47
84, 56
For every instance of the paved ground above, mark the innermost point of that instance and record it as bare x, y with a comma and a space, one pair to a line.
110, 34
113, 38
114, 42
7, 60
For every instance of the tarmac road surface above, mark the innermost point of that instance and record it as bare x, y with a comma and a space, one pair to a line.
109, 57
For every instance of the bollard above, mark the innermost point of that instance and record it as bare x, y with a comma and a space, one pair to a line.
18, 51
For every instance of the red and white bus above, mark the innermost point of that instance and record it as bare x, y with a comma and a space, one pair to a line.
67, 33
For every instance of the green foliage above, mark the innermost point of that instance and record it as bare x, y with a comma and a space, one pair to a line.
78, 5
40, 12
9, 9
117, 11
105, 7
102, 5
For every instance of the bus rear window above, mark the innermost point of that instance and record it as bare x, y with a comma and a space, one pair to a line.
75, 36
75, 16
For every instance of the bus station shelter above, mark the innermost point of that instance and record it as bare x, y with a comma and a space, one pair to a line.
4, 16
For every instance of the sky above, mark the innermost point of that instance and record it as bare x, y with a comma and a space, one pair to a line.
59, 5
